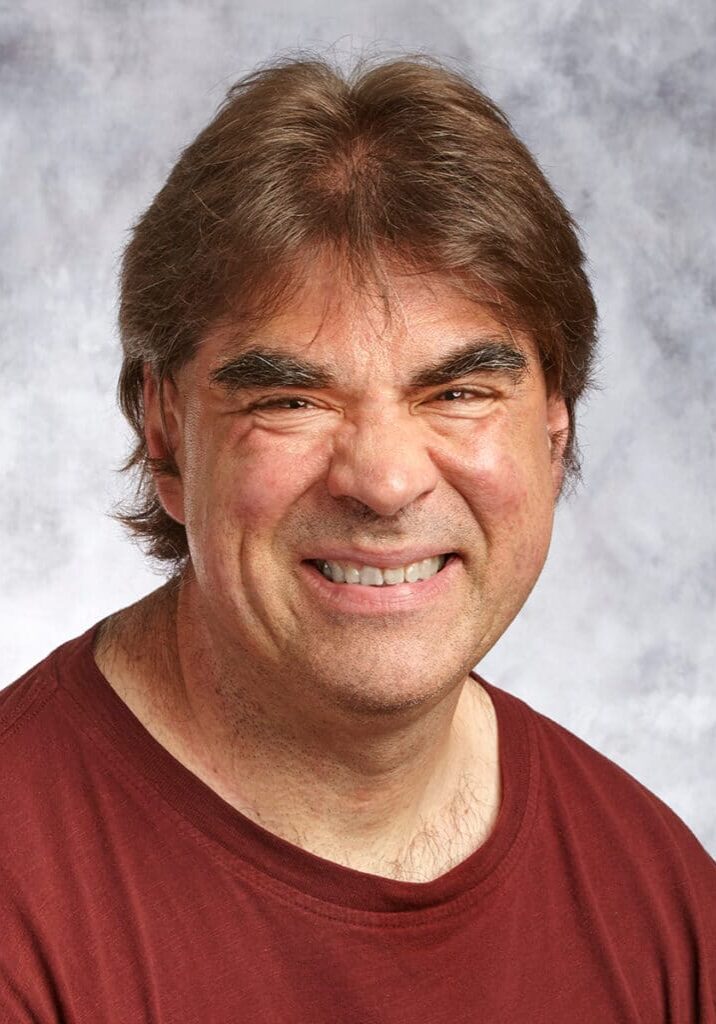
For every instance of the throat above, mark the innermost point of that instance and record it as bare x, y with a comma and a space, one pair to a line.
434, 847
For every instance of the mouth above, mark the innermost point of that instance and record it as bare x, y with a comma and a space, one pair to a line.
377, 598
354, 575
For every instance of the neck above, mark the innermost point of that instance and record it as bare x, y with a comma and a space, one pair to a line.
405, 795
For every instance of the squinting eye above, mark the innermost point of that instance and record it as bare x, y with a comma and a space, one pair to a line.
470, 392
293, 400
277, 403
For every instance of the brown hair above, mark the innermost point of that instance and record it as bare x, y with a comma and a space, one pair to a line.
405, 159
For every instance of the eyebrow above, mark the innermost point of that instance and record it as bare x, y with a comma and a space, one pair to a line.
274, 368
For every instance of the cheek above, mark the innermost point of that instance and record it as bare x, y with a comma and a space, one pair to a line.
258, 493
252, 479
510, 492
494, 481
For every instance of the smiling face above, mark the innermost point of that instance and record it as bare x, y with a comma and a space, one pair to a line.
428, 434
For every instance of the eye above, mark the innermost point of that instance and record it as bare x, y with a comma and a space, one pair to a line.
293, 403
470, 393
280, 403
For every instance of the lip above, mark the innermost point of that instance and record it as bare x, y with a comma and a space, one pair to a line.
400, 598
379, 559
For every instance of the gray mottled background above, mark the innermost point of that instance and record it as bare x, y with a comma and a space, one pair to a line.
616, 101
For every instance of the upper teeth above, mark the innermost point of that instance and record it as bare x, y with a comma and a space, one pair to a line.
371, 576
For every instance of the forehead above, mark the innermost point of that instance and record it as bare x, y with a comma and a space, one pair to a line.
411, 319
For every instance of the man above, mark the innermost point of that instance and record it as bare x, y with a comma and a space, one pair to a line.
356, 325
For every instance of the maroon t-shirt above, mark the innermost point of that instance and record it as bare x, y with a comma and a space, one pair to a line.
131, 892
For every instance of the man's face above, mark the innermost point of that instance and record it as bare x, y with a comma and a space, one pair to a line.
374, 456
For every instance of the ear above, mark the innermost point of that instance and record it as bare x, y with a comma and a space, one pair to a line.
163, 435
557, 437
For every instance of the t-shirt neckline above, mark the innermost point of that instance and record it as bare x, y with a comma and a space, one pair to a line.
295, 871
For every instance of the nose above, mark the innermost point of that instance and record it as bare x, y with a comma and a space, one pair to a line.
381, 459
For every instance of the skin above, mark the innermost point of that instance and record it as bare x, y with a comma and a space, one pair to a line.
360, 739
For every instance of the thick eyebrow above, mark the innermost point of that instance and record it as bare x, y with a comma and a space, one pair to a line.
488, 355
270, 368
273, 368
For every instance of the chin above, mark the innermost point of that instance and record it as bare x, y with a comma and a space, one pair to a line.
387, 685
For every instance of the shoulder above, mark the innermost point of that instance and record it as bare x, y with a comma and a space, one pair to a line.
39, 732
605, 817
573, 767
22, 702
